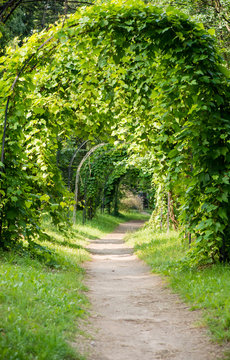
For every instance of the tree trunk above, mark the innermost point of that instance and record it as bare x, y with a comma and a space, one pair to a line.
172, 215
161, 224
116, 212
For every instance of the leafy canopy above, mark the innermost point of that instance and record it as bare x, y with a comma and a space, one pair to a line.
146, 76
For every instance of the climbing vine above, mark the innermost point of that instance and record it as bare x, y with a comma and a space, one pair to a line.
122, 71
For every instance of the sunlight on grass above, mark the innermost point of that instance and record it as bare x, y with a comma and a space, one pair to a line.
104, 223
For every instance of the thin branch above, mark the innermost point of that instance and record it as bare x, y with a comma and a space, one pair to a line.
12, 10
4, 133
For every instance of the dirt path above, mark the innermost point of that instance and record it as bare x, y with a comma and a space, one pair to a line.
134, 316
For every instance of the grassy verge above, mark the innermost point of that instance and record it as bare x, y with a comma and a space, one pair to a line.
135, 215
42, 296
207, 288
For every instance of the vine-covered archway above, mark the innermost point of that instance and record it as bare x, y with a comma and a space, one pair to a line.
140, 74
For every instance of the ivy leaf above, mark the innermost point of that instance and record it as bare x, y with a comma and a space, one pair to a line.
212, 31
223, 213
45, 197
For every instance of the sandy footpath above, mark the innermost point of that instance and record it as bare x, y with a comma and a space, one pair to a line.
134, 316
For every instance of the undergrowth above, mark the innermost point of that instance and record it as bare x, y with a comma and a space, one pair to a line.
206, 288
42, 293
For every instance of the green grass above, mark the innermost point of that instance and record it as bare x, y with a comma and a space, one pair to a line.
135, 215
206, 288
39, 308
42, 294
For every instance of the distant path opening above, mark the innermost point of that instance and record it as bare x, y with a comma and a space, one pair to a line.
134, 316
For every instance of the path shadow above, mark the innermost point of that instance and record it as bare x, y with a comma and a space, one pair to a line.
87, 236
120, 251
109, 241
65, 243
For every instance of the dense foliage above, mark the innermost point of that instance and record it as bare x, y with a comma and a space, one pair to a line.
21, 17
214, 14
149, 77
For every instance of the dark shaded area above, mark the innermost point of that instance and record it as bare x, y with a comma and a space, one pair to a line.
19, 18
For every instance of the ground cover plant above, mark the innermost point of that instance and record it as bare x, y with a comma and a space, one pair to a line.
42, 294
206, 288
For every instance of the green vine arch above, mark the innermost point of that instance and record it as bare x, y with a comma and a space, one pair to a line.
150, 77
